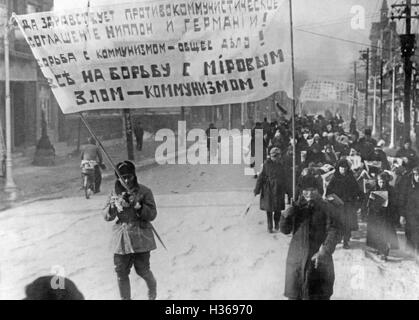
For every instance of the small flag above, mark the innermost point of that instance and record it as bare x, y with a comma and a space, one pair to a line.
282, 109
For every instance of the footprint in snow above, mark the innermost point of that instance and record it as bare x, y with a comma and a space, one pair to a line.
208, 229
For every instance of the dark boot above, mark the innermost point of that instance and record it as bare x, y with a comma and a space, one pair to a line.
270, 223
346, 238
151, 284
277, 216
124, 288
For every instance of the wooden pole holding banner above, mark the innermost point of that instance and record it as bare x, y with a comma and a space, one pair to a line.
114, 168
294, 164
128, 134
10, 186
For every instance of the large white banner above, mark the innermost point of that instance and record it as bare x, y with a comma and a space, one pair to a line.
331, 91
168, 53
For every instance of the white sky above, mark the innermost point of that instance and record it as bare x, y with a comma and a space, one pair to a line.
321, 56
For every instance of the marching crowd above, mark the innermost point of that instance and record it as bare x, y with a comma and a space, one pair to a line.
341, 179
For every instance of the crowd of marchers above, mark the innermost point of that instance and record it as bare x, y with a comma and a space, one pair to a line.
341, 179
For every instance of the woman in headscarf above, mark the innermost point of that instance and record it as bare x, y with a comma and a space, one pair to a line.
382, 217
344, 185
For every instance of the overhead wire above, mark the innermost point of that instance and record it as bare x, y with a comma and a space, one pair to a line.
346, 40
335, 21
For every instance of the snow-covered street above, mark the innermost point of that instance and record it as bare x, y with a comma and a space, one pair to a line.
214, 252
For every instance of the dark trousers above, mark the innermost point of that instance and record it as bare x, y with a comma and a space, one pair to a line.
275, 216
139, 143
98, 178
347, 233
141, 263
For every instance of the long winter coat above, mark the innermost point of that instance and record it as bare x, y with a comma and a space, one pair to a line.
133, 232
347, 188
272, 184
311, 227
381, 222
409, 208
410, 154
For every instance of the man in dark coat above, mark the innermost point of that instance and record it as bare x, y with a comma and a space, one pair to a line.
409, 208
354, 141
380, 155
366, 145
133, 237
352, 126
272, 185
315, 155
92, 153
344, 185
315, 232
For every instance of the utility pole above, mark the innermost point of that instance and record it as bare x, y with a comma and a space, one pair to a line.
354, 106
365, 56
393, 107
408, 49
10, 186
381, 98
374, 109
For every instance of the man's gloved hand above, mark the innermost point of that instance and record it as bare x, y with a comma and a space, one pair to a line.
288, 211
319, 257
116, 202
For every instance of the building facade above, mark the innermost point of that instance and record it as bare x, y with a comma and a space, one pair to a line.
29, 91
386, 54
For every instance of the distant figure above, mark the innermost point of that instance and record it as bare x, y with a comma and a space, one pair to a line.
257, 138
380, 155
139, 135
92, 153
212, 141
366, 145
352, 126
266, 126
408, 154
50, 288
